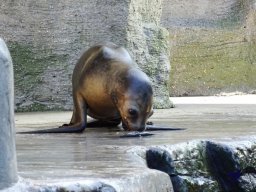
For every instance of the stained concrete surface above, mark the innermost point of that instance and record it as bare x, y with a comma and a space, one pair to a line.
100, 155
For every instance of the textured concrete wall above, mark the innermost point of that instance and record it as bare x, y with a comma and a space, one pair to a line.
149, 45
212, 46
8, 167
47, 38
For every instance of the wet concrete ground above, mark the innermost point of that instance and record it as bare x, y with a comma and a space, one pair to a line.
100, 153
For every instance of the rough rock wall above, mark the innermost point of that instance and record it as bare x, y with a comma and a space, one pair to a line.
149, 44
212, 50
47, 38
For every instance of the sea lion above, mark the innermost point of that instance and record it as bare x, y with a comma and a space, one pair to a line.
109, 87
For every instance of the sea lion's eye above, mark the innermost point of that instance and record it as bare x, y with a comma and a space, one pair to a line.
133, 112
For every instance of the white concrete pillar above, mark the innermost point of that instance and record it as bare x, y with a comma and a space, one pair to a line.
8, 163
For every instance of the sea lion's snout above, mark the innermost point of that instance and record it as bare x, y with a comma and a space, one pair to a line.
129, 126
134, 120
138, 126
141, 128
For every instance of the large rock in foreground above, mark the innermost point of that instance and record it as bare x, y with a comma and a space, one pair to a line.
207, 165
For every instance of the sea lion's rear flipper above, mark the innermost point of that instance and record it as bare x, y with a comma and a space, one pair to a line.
63, 129
66, 128
78, 122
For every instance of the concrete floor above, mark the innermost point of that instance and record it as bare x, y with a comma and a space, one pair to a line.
101, 154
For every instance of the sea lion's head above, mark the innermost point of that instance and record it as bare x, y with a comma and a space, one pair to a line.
135, 101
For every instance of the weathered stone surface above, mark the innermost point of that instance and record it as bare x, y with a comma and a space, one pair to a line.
8, 166
149, 44
146, 181
207, 165
212, 46
46, 40
85, 186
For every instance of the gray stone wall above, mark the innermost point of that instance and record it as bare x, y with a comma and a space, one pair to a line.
46, 40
